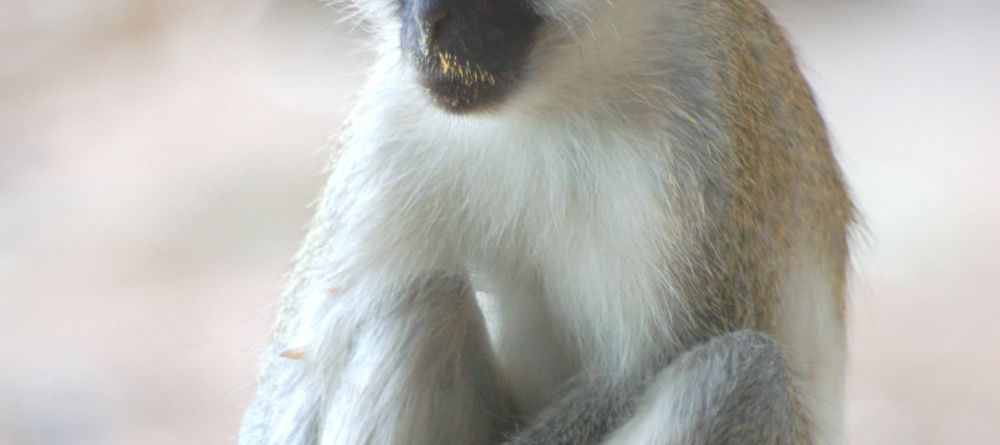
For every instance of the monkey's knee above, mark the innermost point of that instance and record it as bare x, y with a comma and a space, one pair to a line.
748, 354
750, 390
737, 388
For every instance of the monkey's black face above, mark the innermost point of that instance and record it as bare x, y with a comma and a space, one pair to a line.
469, 53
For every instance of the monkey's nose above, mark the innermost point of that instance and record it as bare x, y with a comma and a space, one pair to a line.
430, 15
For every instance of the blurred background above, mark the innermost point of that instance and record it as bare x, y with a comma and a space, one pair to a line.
157, 158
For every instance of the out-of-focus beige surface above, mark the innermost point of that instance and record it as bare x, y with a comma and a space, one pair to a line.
157, 158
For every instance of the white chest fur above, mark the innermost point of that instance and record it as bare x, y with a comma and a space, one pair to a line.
571, 215
579, 214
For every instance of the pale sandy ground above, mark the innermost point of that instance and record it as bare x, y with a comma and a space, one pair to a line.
157, 158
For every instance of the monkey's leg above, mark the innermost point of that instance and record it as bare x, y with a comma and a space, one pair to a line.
735, 389
415, 368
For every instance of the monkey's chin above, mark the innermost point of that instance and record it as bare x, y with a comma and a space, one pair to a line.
466, 94
459, 85
459, 98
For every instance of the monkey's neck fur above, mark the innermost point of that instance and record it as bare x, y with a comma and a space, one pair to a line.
661, 178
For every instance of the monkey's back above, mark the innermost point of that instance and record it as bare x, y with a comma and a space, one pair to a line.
777, 206
751, 166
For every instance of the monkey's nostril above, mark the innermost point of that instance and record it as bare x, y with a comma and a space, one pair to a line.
432, 22
431, 15
437, 15
439, 20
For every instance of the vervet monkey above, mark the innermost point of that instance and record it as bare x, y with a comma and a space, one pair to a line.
642, 189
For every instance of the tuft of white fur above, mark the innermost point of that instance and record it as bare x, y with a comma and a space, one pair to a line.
812, 332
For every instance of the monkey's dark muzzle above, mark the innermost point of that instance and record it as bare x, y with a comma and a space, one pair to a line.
469, 53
